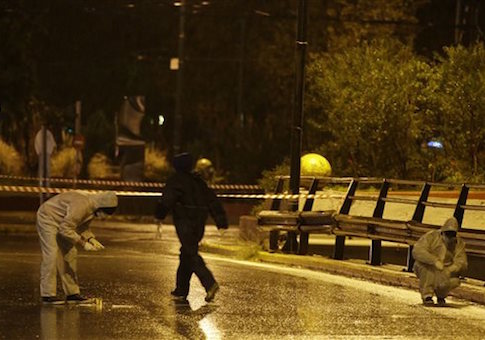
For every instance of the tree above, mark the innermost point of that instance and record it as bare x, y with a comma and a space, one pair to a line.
352, 22
456, 92
368, 100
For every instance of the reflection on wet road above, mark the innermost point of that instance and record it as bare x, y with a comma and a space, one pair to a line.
134, 277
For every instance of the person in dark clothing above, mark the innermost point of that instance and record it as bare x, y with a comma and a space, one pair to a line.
190, 200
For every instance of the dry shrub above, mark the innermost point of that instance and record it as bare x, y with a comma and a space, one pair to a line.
101, 167
157, 167
63, 163
11, 162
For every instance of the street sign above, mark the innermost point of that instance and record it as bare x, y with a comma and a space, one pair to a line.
50, 143
78, 142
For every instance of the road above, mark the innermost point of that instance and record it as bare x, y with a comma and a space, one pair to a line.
135, 274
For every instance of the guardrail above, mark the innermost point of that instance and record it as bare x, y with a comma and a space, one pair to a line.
341, 222
375, 227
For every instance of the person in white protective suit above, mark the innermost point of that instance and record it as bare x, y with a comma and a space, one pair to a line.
440, 259
62, 224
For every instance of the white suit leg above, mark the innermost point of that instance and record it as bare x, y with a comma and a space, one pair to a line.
427, 278
444, 287
49, 248
67, 266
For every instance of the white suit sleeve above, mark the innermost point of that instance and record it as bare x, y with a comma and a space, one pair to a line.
87, 234
74, 216
421, 250
460, 262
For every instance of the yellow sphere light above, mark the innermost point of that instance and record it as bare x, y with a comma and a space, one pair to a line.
202, 163
313, 164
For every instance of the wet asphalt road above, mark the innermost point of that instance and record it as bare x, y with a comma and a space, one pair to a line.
135, 274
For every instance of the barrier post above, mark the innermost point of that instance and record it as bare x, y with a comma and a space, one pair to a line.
418, 217
275, 205
459, 211
375, 251
338, 253
304, 236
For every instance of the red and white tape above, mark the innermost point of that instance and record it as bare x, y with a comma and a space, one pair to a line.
125, 183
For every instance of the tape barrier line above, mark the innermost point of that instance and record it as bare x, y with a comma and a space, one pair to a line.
43, 190
279, 196
39, 190
126, 183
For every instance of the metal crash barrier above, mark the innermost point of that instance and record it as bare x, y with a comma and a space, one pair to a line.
345, 223
294, 227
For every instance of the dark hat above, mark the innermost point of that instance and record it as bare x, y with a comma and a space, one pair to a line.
183, 162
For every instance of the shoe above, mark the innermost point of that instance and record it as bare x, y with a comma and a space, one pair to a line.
441, 301
428, 301
178, 296
211, 293
79, 299
52, 300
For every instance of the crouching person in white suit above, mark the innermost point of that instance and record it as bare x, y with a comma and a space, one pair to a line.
440, 259
62, 224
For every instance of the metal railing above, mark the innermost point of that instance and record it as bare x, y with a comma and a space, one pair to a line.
343, 224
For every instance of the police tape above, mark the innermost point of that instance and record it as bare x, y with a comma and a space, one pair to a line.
85, 181
49, 190
279, 196
124, 183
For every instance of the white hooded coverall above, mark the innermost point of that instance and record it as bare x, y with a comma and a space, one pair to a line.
62, 222
432, 247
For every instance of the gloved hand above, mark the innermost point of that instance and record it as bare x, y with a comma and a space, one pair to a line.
89, 247
452, 270
439, 265
96, 244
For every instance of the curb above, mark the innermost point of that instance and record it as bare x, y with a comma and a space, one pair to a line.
390, 275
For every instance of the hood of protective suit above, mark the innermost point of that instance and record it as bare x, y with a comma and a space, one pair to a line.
450, 224
183, 162
105, 200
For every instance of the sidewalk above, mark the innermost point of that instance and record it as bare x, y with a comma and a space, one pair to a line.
228, 243
232, 246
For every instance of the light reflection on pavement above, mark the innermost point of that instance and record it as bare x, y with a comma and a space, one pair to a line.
257, 301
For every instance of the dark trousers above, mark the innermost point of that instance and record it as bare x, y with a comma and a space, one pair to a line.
190, 260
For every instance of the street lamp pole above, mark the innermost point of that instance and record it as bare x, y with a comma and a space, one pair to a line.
297, 119
179, 87
297, 125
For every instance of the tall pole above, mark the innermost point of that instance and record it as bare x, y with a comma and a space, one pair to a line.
179, 87
297, 126
77, 133
240, 83
291, 244
458, 23
43, 178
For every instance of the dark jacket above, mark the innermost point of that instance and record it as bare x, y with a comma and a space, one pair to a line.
190, 200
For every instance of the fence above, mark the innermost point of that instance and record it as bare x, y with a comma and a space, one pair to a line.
349, 220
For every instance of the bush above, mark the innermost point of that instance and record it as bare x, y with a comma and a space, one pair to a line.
458, 112
268, 180
366, 108
101, 167
63, 163
11, 162
157, 167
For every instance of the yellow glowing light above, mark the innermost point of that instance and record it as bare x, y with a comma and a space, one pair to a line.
313, 164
